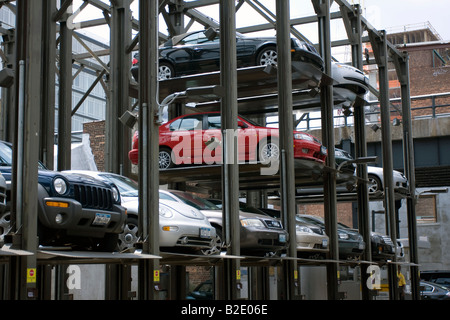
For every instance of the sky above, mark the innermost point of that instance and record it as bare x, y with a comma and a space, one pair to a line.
382, 14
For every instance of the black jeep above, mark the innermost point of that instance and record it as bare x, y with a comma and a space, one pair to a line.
73, 210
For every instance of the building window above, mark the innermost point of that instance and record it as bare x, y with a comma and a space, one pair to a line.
426, 209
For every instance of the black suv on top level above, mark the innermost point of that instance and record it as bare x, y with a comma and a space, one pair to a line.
72, 209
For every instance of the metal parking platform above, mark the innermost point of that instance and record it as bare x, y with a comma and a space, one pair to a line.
252, 81
250, 175
90, 257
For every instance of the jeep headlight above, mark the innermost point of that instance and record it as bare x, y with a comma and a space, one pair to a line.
115, 193
60, 186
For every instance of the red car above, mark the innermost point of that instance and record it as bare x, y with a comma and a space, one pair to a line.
197, 139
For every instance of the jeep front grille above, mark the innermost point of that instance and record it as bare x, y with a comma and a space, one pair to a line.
94, 197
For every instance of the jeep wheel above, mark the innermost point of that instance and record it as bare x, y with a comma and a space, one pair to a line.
129, 236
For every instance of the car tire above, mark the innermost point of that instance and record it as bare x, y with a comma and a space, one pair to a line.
268, 150
375, 183
267, 56
166, 71
217, 246
129, 236
166, 159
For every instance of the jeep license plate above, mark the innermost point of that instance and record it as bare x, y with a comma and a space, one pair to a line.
205, 232
101, 219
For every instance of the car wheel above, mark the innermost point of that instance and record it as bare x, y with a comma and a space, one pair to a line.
129, 236
268, 150
267, 56
217, 244
165, 159
166, 71
375, 184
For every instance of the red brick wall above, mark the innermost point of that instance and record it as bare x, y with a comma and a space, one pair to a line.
96, 131
426, 79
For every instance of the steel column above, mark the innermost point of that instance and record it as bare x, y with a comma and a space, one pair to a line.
352, 21
322, 8
47, 135
26, 146
148, 147
65, 94
230, 169
402, 66
118, 136
379, 45
286, 143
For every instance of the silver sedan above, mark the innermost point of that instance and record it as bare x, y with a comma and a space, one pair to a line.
181, 225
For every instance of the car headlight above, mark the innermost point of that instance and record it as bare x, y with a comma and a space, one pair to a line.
252, 223
300, 44
116, 194
343, 235
60, 186
303, 229
303, 136
165, 212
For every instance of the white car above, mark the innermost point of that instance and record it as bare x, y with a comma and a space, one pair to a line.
181, 225
374, 174
376, 182
350, 81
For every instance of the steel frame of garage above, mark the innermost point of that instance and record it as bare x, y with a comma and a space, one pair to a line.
29, 112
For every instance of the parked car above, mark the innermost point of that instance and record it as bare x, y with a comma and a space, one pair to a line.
312, 241
350, 78
441, 277
382, 247
375, 174
259, 234
351, 243
73, 209
195, 52
180, 226
204, 291
197, 139
433, 291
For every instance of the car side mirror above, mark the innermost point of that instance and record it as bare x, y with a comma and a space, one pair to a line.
241, 124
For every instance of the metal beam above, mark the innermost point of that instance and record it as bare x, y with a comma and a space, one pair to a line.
402, 67
322, 8
65, 94
230, 169
352, 22
380, 49
286, 143
148, 148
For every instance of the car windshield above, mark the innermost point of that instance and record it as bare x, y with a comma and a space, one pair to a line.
312, 220
6, 156
127, 187
195, 201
